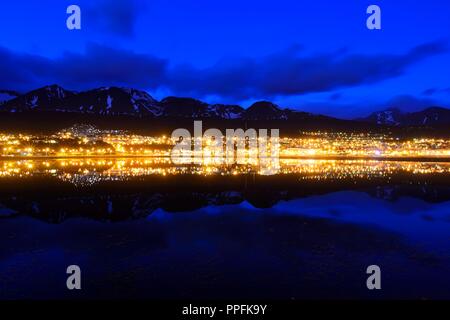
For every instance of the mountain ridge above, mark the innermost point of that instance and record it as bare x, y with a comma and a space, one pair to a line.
114, 100
431, 116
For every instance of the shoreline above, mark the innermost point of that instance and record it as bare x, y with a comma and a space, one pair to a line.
368, 158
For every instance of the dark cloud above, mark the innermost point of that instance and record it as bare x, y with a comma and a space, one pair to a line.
410, 103
335, 96
429, 92
22, 71
97, 66
108, 66
282, 74
433, 91
117, 17
289, 73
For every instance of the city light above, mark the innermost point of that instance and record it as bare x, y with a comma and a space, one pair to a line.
93, 142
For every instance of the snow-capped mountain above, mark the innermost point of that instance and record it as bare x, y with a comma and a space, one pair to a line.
6, 95
193, 108
391, 117
183, 107
128, 101
226, 111
394, 117
264, 110
46, 98
114, 101
430, 117
105, 101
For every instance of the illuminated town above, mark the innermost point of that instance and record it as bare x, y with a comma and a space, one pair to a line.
85, 155
87, 141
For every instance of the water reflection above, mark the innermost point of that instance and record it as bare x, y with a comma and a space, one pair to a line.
308, 232
317, 247
85, 171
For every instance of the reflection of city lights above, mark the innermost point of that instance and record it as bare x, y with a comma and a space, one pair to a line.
87, 171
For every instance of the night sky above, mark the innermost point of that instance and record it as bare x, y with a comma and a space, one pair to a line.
316, 56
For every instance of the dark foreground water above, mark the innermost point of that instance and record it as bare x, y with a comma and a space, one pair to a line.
241, 239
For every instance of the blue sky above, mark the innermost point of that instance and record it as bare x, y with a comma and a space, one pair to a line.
316, 56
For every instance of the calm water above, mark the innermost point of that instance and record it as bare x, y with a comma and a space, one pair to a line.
149, 230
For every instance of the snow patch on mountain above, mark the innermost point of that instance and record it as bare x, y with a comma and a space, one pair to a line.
7, 95
33, 102
387, 117
109, 101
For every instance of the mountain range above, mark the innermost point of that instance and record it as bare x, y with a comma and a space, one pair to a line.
433, 116
132, 102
